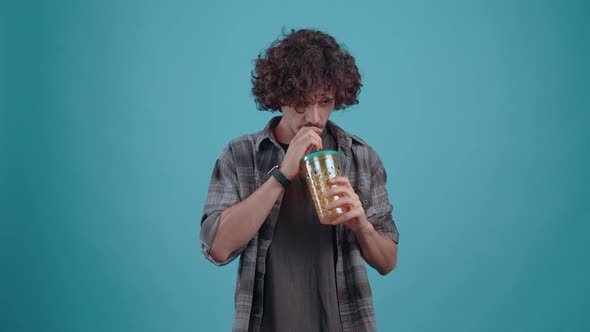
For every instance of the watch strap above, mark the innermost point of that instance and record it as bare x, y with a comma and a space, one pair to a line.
279, 176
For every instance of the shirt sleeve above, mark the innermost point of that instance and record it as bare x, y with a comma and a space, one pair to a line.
379, 212
223, 193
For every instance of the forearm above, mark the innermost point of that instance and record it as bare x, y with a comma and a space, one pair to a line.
238, 224
377, 249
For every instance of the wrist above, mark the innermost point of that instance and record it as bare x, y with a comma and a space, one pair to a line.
279, 176
366, 229
289, 174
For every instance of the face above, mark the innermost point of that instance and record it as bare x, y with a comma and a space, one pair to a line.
316, 113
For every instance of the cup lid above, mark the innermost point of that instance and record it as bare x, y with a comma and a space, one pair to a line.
320, 153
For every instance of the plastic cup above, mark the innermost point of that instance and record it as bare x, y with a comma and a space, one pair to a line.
318, 168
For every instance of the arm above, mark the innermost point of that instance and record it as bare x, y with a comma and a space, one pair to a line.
228, 224
239, 223
379, 250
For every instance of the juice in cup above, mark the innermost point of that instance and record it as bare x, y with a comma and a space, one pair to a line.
318, 167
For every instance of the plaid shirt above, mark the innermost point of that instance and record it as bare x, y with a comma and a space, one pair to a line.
241, 169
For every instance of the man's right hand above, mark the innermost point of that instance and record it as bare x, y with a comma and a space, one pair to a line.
301, 145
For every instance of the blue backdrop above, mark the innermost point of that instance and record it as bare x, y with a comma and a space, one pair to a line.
114, 112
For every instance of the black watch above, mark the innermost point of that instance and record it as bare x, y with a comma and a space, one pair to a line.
279, 176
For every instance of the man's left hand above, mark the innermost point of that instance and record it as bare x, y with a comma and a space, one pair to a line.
349, 201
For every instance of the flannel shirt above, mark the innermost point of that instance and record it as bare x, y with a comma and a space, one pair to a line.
242, 168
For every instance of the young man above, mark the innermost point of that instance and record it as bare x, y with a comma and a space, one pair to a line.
296, 274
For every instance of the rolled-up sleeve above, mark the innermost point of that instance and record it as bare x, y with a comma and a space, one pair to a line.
380, 211
223, 193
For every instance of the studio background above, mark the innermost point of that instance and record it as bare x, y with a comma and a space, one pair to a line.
115, 111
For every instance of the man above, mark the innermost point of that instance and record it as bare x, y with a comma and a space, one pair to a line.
296, 274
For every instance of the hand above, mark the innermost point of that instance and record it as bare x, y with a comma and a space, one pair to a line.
355, 217
300, 146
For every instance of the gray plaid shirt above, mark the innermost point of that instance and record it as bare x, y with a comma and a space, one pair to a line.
241, 169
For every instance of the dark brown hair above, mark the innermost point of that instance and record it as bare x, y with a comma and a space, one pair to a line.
300, 62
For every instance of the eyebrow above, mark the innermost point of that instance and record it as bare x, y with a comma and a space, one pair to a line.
322, 96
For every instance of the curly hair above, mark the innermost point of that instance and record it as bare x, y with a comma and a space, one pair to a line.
302, 61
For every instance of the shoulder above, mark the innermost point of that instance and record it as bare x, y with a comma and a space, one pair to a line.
358, 145
242, 141
240, 147
363, 151
362, 154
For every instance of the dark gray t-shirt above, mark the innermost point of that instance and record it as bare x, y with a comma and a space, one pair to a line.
300, 279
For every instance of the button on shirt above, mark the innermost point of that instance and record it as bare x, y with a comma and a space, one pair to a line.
242, 168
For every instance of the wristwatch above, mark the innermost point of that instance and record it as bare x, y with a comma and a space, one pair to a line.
279, 176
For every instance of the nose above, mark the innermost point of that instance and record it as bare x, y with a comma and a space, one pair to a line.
312, 115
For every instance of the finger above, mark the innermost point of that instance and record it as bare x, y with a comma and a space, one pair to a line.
317, 140
309, 138
340, 190
320, 145
313, 128
347, 202
305, 143
317, 130
339, 179
314, 144
346, 217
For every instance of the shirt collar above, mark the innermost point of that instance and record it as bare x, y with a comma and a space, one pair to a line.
267, 134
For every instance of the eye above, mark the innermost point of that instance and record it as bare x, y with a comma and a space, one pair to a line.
326, 100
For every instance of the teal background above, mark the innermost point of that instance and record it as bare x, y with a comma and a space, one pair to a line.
113, 113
